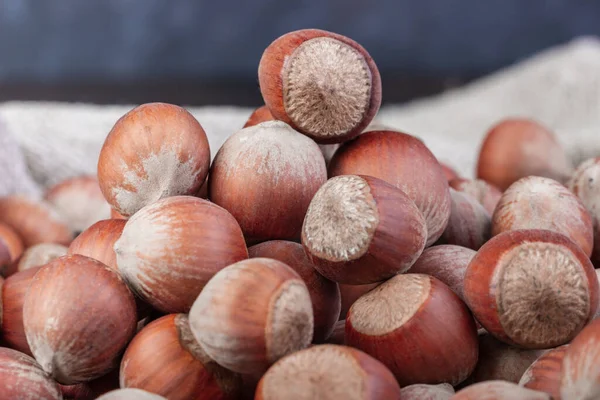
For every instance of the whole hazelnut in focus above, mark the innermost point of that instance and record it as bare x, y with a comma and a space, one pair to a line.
328, 372
324, 293
542, 203
164, 358
405, 162
79, 201
534, 289
515, 148
415, 311
360, 230
154, 151
22, 378
265, 176
251, 314
323, 84
170, 249
78, 316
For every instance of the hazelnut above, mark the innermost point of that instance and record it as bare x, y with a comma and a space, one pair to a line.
78, 344
98, 241
405, 162
470, 224
154, 151
515, 148
130, 394
265, 176
500, 361
22, 378
415, 313
498, 390
328, 372
580, 371
545, 373
114, 214
585, 183
542, 203
324, 294
164, 358
40, 254
34, 221
486, 194
350, 293
261, 114
79, 201
448, 263
323, 84
169, 250
360, 229
12, 297
418, 391
532, 288
252, 313
11, 248
92, 389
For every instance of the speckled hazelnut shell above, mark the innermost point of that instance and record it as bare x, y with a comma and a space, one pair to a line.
12, 331
82, 343
154, 151
380, 231
79, 201
419, 391
553, 271
22, 378
448, 263
408, 312
265, 176
485, 193
98, 241
498, 390
273, 71
130, 394
261, 114
470, 224
542, 203
252, 313
405, 162
585, 183
35, 221
328, 372
324, 293
515, 148
170, 249
580, 372
11, 248
164, 358
545, 373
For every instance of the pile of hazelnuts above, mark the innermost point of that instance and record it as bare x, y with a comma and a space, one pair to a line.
319, 255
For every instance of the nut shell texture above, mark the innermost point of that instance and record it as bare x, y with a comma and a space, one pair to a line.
78, 315
22, 378
581, 365
323, 84
405, 162
98, 241
170, 249
328, 372
532, 288
154, 151
265, 176
251, 314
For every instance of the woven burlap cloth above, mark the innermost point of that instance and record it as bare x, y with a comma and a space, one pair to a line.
44, 143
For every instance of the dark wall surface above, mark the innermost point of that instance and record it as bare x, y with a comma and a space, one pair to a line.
220, 42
